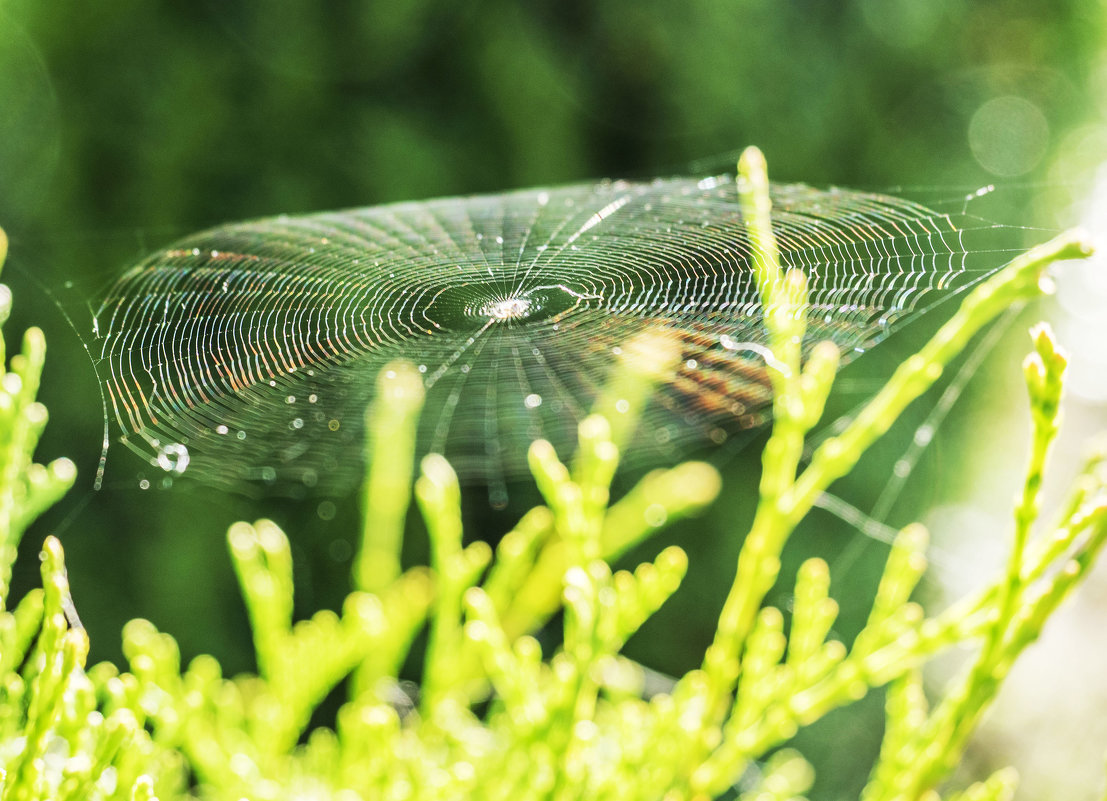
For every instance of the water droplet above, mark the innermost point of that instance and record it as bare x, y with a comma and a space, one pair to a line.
268, 474
498, 498
173, 458
290, 399
622, 406
339, 550
221, 429
6, 306
241, 435
326, 510
312, 398
655, 515
296, 424
533, 401
144, 484
333, 425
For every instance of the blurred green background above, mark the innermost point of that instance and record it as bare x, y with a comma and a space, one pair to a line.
127, 124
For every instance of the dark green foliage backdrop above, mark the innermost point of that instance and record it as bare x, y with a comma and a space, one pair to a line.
126, 124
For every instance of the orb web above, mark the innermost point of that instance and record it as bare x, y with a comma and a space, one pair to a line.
248, 353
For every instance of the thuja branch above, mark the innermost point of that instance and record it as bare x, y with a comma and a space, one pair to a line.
799, 396
1017, 282
798, 399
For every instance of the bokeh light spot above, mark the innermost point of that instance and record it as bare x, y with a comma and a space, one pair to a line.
1008, 136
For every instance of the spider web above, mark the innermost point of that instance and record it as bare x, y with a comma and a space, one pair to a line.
247, 354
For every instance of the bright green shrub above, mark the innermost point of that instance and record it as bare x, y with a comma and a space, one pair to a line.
495, 717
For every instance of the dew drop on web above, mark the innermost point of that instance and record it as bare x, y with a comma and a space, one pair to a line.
173, 458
